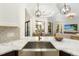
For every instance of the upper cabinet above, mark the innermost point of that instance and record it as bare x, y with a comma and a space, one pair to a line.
9, 14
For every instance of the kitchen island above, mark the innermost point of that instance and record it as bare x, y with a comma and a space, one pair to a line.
66, 45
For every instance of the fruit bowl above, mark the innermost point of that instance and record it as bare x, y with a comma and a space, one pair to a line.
58, 37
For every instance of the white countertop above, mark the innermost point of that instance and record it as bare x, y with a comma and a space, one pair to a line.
67, 45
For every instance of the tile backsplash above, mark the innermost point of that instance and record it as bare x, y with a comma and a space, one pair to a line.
8, 34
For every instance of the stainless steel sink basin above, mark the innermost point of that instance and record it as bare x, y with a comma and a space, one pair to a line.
40, 48
38, 45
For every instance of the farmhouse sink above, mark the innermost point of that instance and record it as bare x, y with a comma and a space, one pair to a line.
38, 45
38, 49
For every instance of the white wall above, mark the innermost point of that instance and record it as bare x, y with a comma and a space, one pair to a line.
9, 14
22, 20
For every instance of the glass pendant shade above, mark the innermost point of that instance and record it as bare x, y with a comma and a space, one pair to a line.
66, 9
37, 12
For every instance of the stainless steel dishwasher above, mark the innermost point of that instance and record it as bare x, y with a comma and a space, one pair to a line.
38, 49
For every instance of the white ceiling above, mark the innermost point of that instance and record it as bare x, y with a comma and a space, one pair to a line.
49, 9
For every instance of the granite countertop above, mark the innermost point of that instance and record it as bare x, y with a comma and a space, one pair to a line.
66, 45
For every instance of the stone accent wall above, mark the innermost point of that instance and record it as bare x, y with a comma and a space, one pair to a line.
8, 34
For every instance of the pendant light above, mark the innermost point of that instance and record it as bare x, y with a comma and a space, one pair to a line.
65, 9
37, 12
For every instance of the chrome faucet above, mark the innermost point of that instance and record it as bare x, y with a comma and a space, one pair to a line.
39, 31
39, 37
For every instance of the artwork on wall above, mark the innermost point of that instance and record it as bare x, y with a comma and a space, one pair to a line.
39, 28
70, 27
